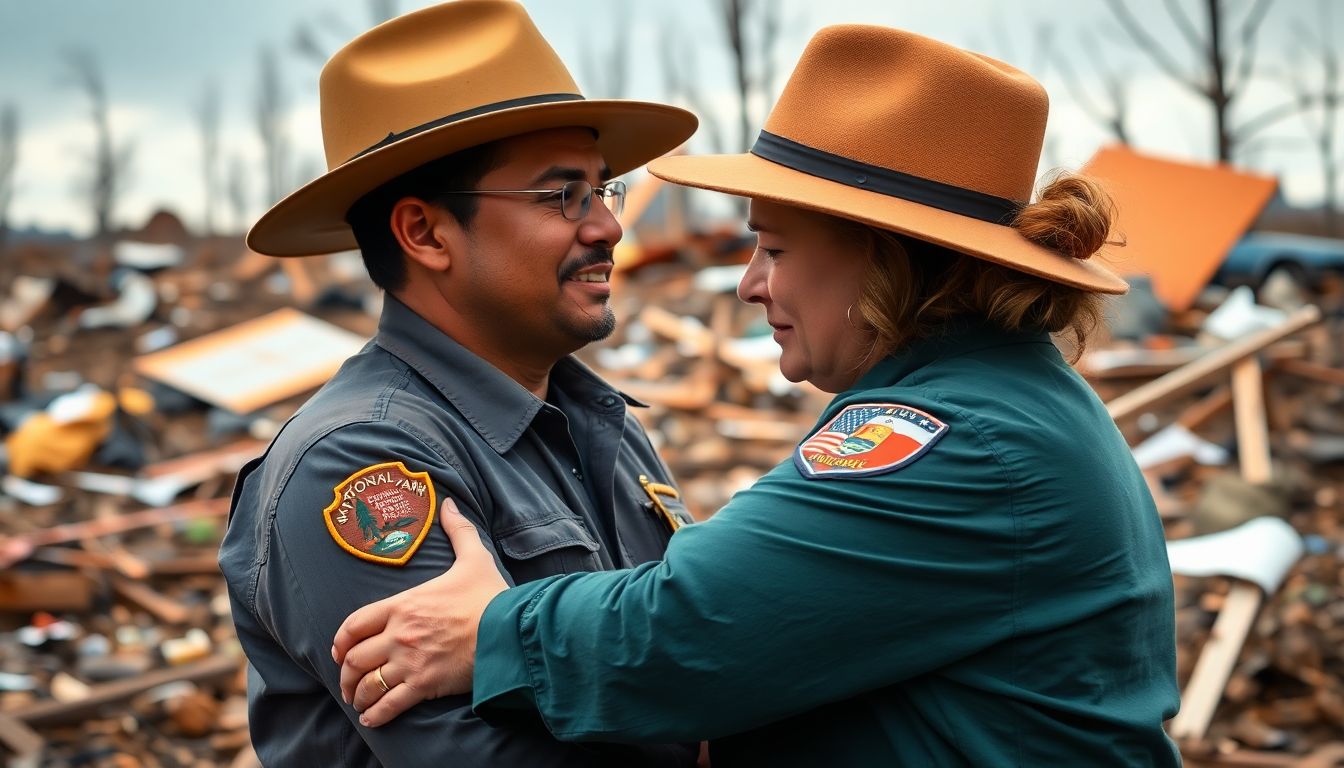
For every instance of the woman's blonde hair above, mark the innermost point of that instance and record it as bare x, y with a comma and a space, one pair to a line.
913, 288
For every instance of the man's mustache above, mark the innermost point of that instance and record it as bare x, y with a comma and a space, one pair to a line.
589, 259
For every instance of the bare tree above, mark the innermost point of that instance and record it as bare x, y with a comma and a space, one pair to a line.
1227, 65
207, 119
110, 160
1111, 110
307, 38
733, 17
236, 190
271, 128
606, 75
1323, 124
9, 161
681, 82
382, 10
751, 30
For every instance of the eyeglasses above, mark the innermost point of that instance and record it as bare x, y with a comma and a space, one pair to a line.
576, 197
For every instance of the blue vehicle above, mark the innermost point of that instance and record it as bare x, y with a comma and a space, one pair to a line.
1305, 258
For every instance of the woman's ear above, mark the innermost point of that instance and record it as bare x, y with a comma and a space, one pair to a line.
425, 232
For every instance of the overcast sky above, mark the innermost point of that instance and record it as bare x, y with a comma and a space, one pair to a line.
158, 56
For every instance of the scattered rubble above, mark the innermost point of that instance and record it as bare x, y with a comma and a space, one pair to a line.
122, 437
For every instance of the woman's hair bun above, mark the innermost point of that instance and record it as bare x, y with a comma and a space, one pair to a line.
1072, 216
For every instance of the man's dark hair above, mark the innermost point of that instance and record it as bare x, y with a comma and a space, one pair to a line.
370, 216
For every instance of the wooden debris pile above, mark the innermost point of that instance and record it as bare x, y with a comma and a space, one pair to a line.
116, 646
1229, 432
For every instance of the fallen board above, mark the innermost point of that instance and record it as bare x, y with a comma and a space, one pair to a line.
256, 363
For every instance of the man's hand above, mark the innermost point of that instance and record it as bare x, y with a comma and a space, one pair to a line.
419, 644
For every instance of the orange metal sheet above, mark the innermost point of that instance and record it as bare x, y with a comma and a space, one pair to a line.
1177, 218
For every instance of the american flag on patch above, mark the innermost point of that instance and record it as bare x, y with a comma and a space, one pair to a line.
830, 439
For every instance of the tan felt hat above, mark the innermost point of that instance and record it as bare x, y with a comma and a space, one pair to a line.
902, 132
437, 81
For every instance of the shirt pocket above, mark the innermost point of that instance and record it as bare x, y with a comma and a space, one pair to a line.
548, 545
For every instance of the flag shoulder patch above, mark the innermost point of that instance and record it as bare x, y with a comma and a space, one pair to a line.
868, 439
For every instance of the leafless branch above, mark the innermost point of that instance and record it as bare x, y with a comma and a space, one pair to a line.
733, 14
110, 161
382, 10
1151, 47
765, 70
270, 126
207, 120
9, 161
681, 83
305, 43
1112, 119
237, 192
1186, 26
1249, 34
1275, 114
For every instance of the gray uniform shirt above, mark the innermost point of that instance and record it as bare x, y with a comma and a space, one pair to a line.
554, 487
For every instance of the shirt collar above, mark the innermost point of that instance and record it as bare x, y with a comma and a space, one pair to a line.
497, 407
958, 338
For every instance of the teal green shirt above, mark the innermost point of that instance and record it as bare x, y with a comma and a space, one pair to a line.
1003, 599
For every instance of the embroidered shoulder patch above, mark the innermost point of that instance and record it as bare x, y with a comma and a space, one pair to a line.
867, 439
382, 513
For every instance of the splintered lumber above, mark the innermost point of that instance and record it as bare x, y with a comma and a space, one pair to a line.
1248, 405
198, 467
15, 548
246, 758
1312, 371
20, 740
691, 335
1205, 687
163, 608
1199, 371
23, 591
1205, 409
212, 669
1209, 678
255, 363
1328, 755
692, 392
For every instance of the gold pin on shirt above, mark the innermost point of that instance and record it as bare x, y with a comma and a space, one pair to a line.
655, 492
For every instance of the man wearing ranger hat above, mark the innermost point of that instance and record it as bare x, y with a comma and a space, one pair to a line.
477, 183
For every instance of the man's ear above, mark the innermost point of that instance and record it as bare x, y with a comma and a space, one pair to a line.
427, 234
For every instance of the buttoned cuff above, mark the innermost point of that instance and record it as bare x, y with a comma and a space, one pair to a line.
501, 684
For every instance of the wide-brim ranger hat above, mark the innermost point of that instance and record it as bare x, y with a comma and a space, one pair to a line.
437, 81
905, 133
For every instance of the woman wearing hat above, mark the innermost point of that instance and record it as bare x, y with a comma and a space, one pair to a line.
960, 565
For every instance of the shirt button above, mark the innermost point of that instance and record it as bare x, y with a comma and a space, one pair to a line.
577, 474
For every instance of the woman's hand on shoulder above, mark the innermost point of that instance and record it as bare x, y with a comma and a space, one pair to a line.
421, 643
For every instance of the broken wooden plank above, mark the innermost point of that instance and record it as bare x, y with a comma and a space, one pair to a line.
1312, 371
188, 565
162, 607
1201, 370
1248, 403
15, 548
246, 758
19, 740
55, 590
44, 713
1205, 687
1206, 408
255, 363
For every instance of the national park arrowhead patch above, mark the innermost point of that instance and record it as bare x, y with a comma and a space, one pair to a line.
868, 439
382, 513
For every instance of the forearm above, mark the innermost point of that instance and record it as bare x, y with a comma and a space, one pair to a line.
765, 612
